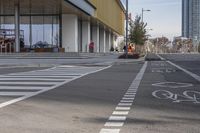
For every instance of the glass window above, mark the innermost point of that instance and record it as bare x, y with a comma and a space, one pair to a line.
45, 29
25, 29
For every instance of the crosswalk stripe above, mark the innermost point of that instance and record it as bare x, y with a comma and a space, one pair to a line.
28, 83
23, 88
15, 93
31, 79
35, 76
40, 74
24, 85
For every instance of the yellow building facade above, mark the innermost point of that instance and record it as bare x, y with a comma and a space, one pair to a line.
110, 13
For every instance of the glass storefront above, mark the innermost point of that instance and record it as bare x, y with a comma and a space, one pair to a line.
40, 31
39, 23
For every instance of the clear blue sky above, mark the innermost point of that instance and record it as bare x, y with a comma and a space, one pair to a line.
164, 18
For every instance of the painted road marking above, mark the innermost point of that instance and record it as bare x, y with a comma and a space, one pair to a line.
109, 130
30, 79
114, 124
117, 118
120, 113
134, 91
14, 93
35, 76
195, 76
124, 104
160, 57
122, 108
187, 96
19, 84
23, 87
129, 95
126, 101
128, 98
28, 83
173, 85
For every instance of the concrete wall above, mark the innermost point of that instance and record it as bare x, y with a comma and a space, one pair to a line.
70, 33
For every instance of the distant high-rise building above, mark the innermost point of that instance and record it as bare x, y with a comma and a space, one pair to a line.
191, 19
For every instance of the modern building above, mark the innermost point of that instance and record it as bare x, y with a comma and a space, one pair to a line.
69, 25
191, 19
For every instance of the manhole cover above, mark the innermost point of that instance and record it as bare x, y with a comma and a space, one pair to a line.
172, 84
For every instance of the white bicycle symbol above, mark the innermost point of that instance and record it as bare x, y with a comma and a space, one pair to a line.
188, 96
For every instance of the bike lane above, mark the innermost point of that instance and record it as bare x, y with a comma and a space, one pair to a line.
167, 101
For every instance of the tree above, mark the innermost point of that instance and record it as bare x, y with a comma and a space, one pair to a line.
137, 34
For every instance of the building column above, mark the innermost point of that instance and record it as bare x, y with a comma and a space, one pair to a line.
70, 33
109, 41
102, 40
112, 40
17, 26
86, 36
95, 38
1, 12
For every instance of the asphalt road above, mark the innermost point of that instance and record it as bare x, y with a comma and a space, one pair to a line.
127, 97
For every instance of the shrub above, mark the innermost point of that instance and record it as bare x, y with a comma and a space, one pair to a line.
130, 56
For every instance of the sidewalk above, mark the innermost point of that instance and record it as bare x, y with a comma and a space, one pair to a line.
55, 59
68, 55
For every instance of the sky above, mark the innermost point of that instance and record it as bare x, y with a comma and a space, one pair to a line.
164, 18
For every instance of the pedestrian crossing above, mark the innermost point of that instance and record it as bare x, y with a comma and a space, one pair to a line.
23, 85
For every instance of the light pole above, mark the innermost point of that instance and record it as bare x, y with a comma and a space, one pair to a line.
126, 28
143, 10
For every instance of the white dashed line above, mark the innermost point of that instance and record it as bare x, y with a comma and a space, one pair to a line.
124, 104
109, 130
131, 91
119, 116
129, 95
114, 124
122, 108
126, 101
120, 112
128, 98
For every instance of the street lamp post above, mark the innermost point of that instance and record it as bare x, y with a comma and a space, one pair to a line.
143, 10
126, 28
